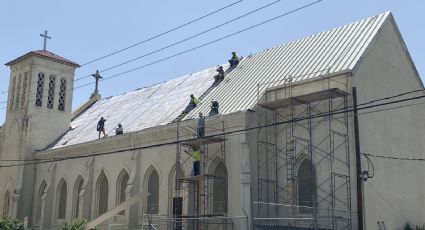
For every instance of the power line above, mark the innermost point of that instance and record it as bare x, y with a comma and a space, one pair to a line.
192, 139
200, 46
163, 33
400, 158
152, 38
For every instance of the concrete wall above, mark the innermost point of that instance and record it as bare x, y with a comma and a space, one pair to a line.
139, 163
395, 194
29, 128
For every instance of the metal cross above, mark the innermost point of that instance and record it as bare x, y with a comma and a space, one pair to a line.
45, 36
97, 77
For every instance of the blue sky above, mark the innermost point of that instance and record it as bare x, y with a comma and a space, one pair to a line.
85, 30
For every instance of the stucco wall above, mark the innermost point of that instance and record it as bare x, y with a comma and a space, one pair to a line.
395, 194
139, 163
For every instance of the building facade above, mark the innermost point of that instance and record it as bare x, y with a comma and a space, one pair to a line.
288, 149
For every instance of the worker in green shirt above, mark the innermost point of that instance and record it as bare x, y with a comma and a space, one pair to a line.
196, 154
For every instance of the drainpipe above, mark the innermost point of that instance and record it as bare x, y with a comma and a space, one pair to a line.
358, 163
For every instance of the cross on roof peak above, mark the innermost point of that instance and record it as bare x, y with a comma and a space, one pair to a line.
45, 36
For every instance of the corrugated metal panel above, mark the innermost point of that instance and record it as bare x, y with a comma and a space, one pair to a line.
332, 51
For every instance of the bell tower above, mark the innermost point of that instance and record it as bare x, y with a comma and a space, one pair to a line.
38, 112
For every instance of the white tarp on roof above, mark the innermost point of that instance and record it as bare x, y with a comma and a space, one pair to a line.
147, 107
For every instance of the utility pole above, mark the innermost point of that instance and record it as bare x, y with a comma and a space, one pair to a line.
358, 163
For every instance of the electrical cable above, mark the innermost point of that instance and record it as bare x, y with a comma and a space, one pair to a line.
192, 139
199, 46
153, 37
394, 158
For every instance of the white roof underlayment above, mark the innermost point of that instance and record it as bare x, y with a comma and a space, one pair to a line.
327, 52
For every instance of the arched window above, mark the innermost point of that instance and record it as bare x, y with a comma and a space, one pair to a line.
6, 204
121, 187
40, 194
102, 194
306, 177
172, 186
62, 193
76, 199
153, 190
220, 189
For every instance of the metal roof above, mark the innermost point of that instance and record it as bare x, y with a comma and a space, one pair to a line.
328, 52
45, 54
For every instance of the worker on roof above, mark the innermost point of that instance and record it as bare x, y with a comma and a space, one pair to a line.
101, 126
220, 76
214, 108
195, 153
200, 132
119, 130
192, 104
234, 61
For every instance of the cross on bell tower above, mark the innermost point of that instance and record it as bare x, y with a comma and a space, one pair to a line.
97, 77
45, 36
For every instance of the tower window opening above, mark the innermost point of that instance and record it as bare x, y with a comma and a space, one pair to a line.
40, 88
51, 95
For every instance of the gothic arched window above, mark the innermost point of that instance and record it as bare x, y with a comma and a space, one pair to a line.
153, 190
172, 185
62, 193
122, 187
78, 186
6, 204
220, 189
40, 194
102, 194
306, 178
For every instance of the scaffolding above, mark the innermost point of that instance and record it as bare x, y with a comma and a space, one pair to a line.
297, 126
203, 211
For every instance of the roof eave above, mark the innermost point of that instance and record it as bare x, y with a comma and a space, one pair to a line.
73, 64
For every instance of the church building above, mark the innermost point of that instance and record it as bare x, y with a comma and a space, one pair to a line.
302, 140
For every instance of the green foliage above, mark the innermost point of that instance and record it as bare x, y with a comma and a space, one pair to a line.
9, 223
75, 224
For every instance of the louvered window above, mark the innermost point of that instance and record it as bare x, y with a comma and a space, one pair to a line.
12, 94
51, 96
24, 89
40, 88
62, 95
18, 91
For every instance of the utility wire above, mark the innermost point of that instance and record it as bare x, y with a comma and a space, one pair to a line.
200, 46
217, 135
400, 158
152, 38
